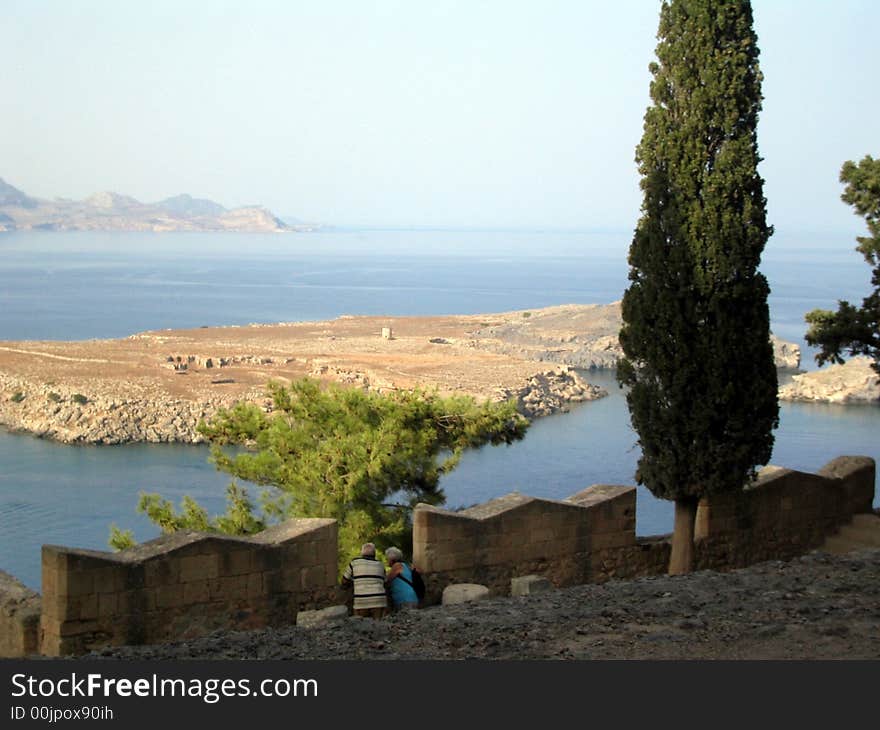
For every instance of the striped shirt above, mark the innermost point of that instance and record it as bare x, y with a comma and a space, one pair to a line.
368, 576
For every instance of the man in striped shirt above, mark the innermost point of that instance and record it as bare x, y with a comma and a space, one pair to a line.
368, 576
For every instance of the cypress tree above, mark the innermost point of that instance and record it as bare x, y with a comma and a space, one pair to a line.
698, 362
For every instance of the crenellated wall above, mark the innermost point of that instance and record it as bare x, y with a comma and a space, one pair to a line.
189, 584
590, 536
185, 585
783, 514
585, 538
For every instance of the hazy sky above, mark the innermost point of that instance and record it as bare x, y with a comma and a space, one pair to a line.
496, 113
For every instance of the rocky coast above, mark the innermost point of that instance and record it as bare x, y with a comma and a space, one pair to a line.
157, 386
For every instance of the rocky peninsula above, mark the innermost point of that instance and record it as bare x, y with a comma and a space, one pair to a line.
108, 211
156, 386
853, 382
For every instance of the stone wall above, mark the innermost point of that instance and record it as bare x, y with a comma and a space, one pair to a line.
19, 618
189, 584
185, 585
590, 536
783, 514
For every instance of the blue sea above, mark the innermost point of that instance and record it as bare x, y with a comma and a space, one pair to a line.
71, 286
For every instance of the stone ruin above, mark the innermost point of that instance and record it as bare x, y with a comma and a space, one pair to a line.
183, 363
189, 584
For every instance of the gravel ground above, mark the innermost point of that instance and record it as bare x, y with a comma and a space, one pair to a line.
818, 606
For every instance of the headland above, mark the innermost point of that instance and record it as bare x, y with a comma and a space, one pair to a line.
156, 386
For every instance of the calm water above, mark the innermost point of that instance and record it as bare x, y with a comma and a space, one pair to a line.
78, 286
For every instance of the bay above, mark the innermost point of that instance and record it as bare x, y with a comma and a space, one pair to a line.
101, 285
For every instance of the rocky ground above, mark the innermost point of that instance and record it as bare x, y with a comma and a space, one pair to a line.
818, 606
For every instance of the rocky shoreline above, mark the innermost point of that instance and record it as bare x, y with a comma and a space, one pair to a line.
156, 387
55, 412
852, 382
818, 606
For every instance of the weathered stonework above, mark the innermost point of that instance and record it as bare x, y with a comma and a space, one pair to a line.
783, 514
590, 536
188, 584
185, 585
576, 540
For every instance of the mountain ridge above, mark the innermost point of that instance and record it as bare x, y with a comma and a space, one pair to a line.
112, 211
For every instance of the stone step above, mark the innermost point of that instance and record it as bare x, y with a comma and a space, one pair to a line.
871, 521
861, 534
838, 545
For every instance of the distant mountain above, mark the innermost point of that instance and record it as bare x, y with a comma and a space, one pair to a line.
13, 196
111, 201
109, 211
188, 205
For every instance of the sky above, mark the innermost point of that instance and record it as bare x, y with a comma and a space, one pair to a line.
495, 113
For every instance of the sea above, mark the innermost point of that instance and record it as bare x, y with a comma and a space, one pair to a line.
73, 286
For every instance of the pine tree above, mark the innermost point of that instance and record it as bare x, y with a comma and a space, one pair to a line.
698, 365
855, 330
365, 459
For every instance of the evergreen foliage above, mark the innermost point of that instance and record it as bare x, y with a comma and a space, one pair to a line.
698, 365
855, 329
361, 458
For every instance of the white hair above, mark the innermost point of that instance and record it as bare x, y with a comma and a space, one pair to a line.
368, 549
394, 555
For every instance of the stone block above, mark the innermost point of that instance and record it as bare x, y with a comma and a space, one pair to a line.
79, 582
526, 585
161, 571
69, 629
110, 579
307, 553
611, 540
60, 607
198, 567
255, 585
313, 577
236, 562
131, 602
322, 617
88, 606
169, 596
107, 605
446, 561
196, 592
326, 551
464, 593
541, 534
229, 588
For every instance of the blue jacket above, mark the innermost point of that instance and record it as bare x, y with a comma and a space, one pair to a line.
401, 591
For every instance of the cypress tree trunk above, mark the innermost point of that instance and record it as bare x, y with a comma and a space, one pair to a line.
682, 558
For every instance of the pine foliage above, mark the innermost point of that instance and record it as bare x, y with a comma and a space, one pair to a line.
852, 329
362, 458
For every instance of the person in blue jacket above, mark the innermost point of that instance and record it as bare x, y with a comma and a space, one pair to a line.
399, 581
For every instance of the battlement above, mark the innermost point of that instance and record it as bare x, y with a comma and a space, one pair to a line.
184, 585
188, 584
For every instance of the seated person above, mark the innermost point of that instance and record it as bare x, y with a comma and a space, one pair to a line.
367, 575
399, 580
